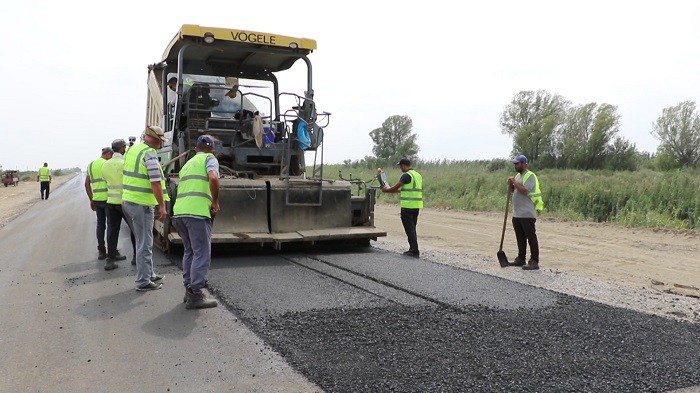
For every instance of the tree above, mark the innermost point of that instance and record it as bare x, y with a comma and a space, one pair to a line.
583, 140
531, 119
394, 139
678, 129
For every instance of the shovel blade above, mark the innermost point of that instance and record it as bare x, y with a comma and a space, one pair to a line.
502, 258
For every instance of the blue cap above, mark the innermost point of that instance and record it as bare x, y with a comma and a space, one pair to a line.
205, 140
519, 158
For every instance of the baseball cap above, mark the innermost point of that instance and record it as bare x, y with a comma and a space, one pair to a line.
205, 140
157, 132
519, 158
106, 150
118, 144
404, 161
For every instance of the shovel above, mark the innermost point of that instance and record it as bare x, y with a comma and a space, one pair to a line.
502, 258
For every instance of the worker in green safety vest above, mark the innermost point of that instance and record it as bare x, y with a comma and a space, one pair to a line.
112, 172
410, 185
143, 190
196, 205
527, 203
96, 190
44, 177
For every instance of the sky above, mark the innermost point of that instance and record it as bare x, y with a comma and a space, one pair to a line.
74, 73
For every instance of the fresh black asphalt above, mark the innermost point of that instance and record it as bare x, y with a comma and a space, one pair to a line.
381, 322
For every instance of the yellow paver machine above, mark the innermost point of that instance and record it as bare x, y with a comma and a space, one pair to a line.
228, 83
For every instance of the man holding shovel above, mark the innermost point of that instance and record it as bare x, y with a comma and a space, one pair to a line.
527, 203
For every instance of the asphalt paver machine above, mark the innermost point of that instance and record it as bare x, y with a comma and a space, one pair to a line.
227, 83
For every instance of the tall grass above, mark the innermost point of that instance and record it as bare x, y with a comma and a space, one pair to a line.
643, 198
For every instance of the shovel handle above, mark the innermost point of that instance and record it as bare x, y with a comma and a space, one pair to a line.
505, 219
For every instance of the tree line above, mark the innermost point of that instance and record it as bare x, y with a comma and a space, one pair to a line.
555, 133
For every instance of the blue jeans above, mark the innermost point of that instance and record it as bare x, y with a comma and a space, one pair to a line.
101, 212
196, 238
141, 218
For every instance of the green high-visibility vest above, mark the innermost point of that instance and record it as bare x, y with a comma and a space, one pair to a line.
412, 193
535, 196
193, 193
97, 182
136, 186
112, 173
44, 173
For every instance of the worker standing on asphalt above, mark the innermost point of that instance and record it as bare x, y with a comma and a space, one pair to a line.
196, 205
143, 189
96, 190
527, 203
112, 173
44, 177
411, 187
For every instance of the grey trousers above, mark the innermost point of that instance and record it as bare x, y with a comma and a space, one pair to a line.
196, 237
141, 219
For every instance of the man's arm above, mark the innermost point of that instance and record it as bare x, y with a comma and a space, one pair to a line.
158, 193
394, 189
214, 188
88, 191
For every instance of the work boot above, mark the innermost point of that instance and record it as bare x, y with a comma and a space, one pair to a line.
198, 300
133, 261
110, 265
101, 254
517, 262
116, 257
532, 265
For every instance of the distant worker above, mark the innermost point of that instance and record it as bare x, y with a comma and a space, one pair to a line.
196, 206
143, 189
44, 177
172, 90
96, 190
112, 173
411, 187
527, 203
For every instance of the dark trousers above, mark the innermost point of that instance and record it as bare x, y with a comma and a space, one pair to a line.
525, 234
409, 218
115, 215
101, 212
44, 190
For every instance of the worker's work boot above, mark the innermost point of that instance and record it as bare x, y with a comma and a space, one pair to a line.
532, 265
133, 261
110, 264
517, 262
198, 300
115, 257
101, 254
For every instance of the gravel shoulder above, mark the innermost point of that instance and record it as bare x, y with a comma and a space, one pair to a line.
15, 200
651, 271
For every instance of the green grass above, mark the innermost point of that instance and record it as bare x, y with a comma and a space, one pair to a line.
642, 198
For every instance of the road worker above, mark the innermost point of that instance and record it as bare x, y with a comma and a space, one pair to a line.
44, 177
410, 185
527, 203
143, 190
196, 206
96, 190
112, 173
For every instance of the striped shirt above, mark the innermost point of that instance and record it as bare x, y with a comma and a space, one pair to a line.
150, 161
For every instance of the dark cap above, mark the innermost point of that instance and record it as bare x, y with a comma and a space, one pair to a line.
404, 161
519, 158
172, 80
106, 150
205, 140
118, 144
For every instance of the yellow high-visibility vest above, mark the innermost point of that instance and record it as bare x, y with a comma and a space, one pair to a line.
136, 186
112, 173
412, 193
193, 193
44, 173
536, 195
97, 182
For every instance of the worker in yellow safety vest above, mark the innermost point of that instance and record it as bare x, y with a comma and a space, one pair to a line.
96, 190
196, 205
411, 187
112, 173
143, 185
527, 203
44, 177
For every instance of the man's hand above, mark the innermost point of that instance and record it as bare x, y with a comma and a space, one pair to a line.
214, 209
92, 205
162, 212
